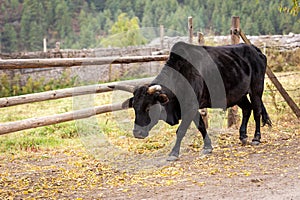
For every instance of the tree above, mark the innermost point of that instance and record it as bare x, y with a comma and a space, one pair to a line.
294, 9
87, 37
9, 42
63, 19
25, 26
267, 27
108, 20
32, 25
139, 8
60, 20
124, 32
35, 37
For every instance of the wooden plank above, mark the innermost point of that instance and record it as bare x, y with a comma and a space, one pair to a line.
277, 84
68, 92
69, 62
58, 118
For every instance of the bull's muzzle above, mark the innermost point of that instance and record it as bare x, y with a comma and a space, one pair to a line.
140, 134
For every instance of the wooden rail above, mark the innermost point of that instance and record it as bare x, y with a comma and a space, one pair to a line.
68, 92
69, 62
58, 118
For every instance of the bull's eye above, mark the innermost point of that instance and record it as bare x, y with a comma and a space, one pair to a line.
148, 109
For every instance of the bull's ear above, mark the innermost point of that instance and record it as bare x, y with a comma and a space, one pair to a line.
163, 98
127, 103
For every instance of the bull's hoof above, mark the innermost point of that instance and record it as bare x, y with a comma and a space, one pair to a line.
255, 142
172, 158
244, 141
207, 151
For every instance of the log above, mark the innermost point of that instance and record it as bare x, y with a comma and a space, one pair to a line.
283, 92
51, 95
244, 37
68, 92
277, 84
58, 118
69, 62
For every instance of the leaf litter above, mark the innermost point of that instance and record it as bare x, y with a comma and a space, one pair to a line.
77, 173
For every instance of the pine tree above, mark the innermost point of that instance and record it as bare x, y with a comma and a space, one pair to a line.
9, 40
63, 20
35, 37
25, 27
87, 35
32, 29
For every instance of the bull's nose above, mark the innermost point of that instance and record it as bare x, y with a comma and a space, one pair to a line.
139, 134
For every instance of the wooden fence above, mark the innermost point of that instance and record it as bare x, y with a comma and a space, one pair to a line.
64, 117
79, 114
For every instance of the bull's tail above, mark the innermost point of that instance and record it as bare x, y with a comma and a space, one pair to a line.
265, 117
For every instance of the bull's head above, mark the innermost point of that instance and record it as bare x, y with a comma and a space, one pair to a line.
147, 103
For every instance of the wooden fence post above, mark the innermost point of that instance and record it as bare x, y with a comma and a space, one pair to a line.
45, 45
162, 33
235, 39
203, 112
200, 38
190, 27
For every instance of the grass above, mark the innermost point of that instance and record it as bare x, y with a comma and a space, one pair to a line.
115, 128
39, 138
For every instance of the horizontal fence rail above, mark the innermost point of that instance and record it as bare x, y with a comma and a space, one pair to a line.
58, 118
9, 127
68, 92
69, 62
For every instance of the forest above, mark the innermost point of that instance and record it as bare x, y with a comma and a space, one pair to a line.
86, 23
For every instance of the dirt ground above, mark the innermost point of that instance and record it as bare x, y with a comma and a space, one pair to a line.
268, 171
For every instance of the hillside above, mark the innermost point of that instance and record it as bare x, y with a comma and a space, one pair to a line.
84, 24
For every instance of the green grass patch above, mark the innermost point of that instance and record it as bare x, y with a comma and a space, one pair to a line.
39, 138
27, 143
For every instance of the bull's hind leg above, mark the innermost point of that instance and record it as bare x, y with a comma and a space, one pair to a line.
207, 148
257, 109
246, 107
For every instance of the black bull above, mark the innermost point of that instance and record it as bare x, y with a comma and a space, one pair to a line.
196, 77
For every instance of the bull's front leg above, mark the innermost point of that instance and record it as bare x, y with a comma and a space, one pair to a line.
207, 148
180, 133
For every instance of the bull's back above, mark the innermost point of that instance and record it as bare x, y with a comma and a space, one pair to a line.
240, 66
218, 74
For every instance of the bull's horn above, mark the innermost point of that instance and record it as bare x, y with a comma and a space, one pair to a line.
127, 88
152, 89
